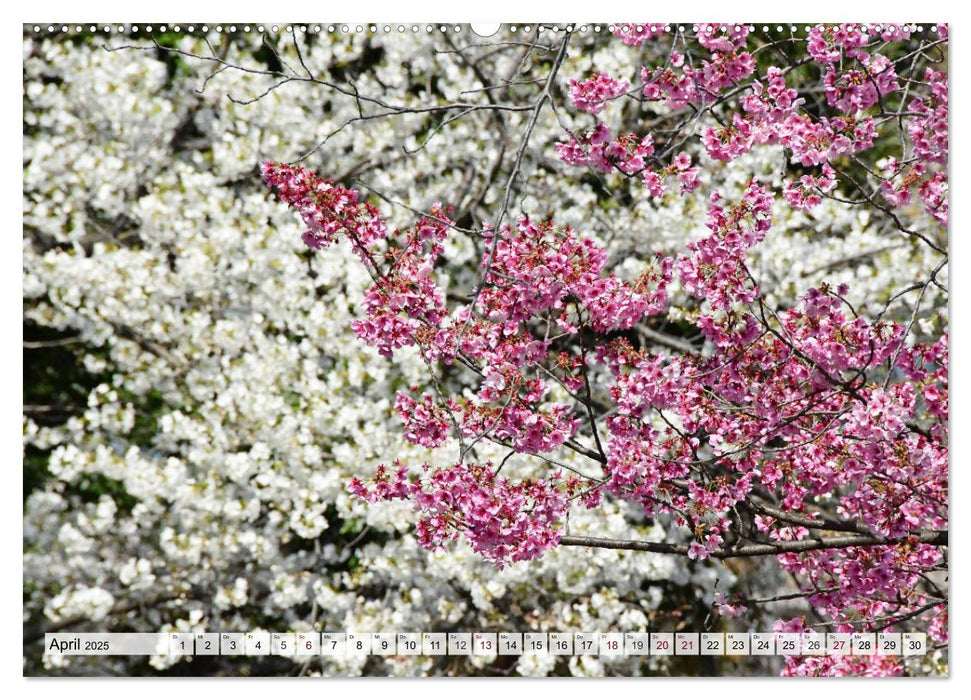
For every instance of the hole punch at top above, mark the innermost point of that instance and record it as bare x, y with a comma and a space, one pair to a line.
485, 28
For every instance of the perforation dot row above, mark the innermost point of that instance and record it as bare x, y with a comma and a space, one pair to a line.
792, 28
289, 28
428, 28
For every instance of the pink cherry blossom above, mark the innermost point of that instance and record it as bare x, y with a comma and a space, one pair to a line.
783, 426
592, 94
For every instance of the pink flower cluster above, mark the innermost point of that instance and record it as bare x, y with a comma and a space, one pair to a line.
771, 115
680, 85
722, 38
527, 429
628, 153
729, 607
929, 130
807, 192
538, 268
824, 334
725, 70
680, 167
505, 521
784, 410
726, 66
637, 34
772, 102
901, 181
729, 142
326, 209
402, 303
857, 89
425, 422
677, 88
807, 436
593, 94
828, 44
715, 269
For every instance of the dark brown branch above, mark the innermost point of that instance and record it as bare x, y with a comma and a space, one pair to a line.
936, 538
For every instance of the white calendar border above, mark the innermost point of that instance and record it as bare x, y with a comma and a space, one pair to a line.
507, 10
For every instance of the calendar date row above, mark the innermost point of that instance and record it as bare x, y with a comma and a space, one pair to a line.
344, 644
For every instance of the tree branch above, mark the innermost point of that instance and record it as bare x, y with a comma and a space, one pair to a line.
936, 538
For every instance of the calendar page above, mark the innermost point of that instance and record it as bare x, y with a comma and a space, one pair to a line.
522, 349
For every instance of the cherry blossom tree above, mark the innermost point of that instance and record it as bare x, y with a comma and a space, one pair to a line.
813, 432
629, 327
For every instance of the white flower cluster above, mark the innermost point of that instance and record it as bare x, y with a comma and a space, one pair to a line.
202, 486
